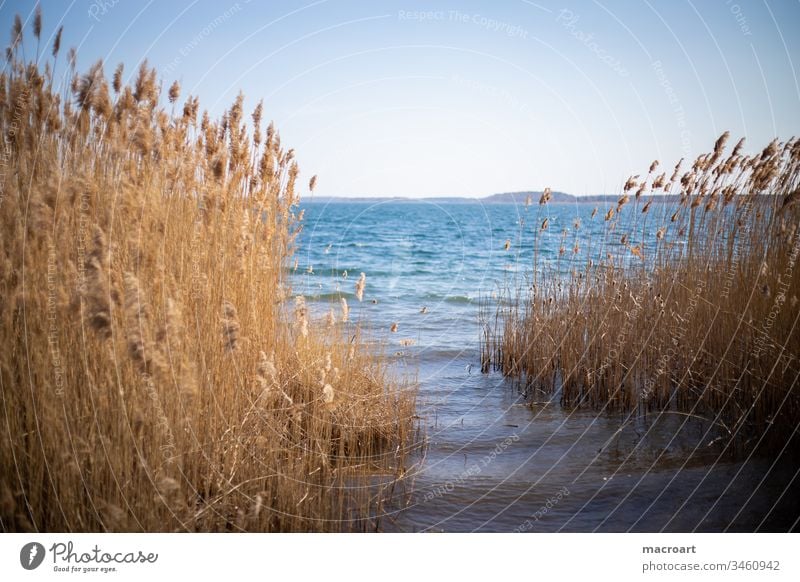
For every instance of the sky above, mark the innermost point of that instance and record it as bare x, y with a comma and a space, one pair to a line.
463, 98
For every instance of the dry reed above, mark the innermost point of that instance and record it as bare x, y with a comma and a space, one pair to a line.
143, 265
687, 305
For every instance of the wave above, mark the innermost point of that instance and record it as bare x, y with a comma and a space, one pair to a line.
335, 295
449, 298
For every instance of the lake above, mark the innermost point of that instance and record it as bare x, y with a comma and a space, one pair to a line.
492, 462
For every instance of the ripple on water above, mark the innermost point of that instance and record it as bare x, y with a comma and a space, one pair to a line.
493, 463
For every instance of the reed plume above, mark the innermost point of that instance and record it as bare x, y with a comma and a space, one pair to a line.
360, 285
144, 255
684, 307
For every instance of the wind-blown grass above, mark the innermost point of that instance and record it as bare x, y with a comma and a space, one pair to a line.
688, 304
152, 376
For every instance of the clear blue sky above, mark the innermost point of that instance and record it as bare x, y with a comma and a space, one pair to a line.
466, 98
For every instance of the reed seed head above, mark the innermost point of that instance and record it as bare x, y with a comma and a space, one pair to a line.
230, 326
360, 285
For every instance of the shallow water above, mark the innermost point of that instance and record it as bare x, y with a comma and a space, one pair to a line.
491, 462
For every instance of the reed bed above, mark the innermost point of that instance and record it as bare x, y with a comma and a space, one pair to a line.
686, 303
156, 372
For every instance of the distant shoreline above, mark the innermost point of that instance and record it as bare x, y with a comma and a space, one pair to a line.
503, 198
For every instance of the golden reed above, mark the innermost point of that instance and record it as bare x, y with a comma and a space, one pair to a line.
152, 376
687, 303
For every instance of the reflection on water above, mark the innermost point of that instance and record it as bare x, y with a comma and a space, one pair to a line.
492, 463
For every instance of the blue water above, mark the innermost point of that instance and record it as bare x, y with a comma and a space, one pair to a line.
439, 257
490, 462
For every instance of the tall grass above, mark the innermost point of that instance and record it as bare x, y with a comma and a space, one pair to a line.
687, 304
155, 373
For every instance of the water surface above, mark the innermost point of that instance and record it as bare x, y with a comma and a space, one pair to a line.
493, 463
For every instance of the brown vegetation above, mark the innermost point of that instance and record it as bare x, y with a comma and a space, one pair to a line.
153, 374
686, 305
